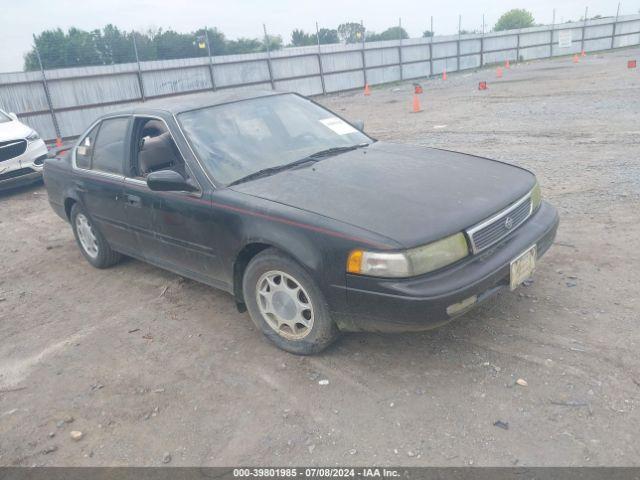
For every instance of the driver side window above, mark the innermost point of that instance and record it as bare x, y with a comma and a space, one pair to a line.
155, 149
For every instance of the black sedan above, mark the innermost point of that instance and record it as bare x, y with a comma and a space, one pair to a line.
313, 226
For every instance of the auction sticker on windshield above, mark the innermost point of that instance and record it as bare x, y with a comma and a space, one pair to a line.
338, 125
523, 267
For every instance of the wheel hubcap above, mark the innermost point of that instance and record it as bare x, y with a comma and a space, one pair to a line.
86, 236
284, 304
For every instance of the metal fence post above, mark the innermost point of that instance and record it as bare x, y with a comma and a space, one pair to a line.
458, 43
400, 46
206, 37
615, 24
553, 25
139, 73
364, 63
584, 28
482, 44
47, 94
266, 40
431, 49
518, 46
324, 89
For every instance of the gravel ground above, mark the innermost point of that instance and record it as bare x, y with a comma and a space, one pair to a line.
152, 368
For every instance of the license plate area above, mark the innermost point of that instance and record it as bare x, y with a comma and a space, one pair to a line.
522, 267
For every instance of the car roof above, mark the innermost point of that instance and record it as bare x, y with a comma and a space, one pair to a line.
192, 101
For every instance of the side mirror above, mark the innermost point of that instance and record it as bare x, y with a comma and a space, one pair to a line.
359, 124
169, 181
13, 116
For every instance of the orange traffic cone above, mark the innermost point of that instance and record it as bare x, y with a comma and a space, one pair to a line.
444, 74
367, 90
499, 72
583, 54
506, 64
58, 142
575, 58
416, 104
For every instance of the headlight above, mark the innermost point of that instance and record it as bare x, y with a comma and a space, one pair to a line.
536, 197
409, 263
33, 136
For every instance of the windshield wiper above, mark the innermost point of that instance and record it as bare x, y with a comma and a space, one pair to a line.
334, 151
265, 172
314, 157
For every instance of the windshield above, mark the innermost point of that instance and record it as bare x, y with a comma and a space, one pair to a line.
237, 139
4, 117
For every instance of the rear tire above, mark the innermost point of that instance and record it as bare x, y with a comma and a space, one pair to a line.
286, 304
93, 245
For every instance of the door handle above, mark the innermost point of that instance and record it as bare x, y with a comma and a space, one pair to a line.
134, 200
80, 187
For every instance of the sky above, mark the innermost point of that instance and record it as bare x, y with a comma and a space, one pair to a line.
19, 19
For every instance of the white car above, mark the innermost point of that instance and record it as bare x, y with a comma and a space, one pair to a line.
22, 152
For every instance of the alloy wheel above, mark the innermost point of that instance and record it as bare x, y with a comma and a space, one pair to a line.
284, 304
87, 238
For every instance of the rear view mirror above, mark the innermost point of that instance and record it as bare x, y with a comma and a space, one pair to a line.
169, 181
359, 124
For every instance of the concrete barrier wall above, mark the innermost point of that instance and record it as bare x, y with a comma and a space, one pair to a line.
76, 96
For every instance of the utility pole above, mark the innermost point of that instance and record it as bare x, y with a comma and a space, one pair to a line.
324, 90
266, 42
209, 51
364, 63
47, 94
482, 43
140, 84
615, 24
400, 46
584, 28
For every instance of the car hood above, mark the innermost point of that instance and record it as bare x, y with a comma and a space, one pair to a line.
13, 130
413, 195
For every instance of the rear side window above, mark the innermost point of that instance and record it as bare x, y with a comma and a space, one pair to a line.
85, 149
109, 148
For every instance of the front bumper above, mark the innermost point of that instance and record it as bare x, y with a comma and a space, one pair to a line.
420, 303
23, 169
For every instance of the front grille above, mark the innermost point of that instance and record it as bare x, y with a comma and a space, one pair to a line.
493, 230
16, 173
12, 148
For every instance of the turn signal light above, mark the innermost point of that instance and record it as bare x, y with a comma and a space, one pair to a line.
354, 262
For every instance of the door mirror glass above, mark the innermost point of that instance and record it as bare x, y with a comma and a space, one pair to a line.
359, 124
169, 181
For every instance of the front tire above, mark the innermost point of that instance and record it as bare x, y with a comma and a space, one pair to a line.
93, 245
286, 304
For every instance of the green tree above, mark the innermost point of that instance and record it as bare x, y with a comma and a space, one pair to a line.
516, 18
243, 45
114, 46
350, 32
328, 35
427, 34
392, 33
299, 38
217, 40
273, 41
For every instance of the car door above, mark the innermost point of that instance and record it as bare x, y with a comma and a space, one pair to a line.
99, 160
174, 230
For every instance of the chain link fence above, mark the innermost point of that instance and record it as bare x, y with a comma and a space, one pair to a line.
112, 69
